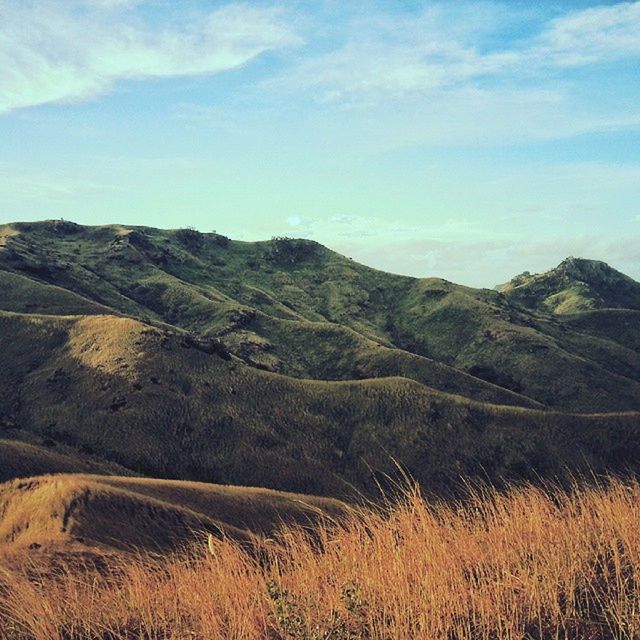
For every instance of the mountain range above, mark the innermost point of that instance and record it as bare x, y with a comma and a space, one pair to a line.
133, 351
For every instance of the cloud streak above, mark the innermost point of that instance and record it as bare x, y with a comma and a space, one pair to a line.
77, 50
592, 35
441, 49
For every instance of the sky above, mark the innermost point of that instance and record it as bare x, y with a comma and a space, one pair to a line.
465, 140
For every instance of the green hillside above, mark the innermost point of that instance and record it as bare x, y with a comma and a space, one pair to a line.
297, 308
282, 364
575, 285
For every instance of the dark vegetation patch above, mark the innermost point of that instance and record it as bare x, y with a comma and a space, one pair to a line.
499, 378
290, 251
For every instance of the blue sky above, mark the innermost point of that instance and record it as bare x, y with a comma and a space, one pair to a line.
467, 140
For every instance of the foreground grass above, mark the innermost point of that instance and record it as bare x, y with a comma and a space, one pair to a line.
528, 563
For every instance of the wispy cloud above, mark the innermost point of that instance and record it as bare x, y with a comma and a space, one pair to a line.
68, 51
591, 35
442, 48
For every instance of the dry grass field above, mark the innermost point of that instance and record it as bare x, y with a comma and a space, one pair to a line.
527, 563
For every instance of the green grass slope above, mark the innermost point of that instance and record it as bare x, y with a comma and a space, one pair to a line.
575, 285
26, 295
616, 325
483, 333
179, 292
297, 308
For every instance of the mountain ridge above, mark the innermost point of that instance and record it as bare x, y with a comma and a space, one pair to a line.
282, 364
245, 294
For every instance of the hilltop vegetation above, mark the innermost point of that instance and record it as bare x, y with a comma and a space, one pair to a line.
185, 355
575, 285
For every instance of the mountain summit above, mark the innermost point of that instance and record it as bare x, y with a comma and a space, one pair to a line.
575, 285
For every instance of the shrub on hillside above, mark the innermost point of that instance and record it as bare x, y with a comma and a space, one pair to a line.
283, 250
190, 238
139, 240
65, 227
220, 240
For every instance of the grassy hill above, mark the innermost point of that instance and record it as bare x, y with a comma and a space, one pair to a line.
162, 404
72, 512
297, 308
530, 563
282, 364
575, 285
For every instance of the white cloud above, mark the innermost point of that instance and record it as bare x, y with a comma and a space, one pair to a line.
397, 54
592, 35
68, 51
441, 49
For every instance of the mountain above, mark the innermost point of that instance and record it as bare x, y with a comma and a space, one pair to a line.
575, 285
296, 308
185, 355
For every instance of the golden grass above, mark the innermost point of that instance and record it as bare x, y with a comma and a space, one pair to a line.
76, 511
7, 231
528, 563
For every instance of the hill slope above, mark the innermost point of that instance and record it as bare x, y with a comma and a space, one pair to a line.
297, 308
29, 456
167, 406
575, 285
184, 355
108, 512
